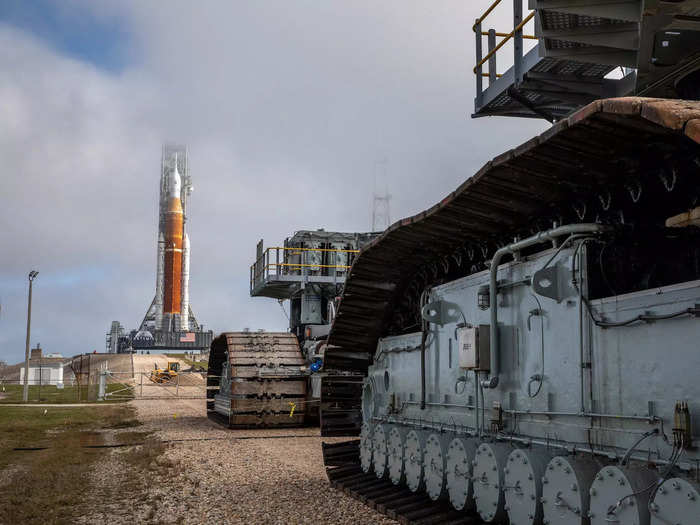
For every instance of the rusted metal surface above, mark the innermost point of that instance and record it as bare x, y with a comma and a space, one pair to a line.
570, 173
255, 380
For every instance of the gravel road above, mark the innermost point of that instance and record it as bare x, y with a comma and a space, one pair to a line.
230, 480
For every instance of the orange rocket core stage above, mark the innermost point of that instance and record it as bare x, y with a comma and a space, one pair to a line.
172, 280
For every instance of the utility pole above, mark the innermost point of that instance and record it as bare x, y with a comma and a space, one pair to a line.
40, 376
25, 395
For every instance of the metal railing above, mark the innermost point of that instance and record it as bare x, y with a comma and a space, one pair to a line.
516, 35
278, 260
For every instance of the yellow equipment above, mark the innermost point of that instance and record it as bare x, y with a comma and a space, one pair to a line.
163, 375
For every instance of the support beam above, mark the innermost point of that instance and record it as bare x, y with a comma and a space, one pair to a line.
595, 55
630, 10
618, 36
515, 95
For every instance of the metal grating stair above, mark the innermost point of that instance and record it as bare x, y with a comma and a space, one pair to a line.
656, 45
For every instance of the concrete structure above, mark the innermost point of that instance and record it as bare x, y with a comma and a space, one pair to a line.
44, 370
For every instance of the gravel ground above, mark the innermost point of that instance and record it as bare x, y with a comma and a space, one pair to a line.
226, 480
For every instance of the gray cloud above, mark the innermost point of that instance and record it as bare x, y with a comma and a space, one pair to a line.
286, 108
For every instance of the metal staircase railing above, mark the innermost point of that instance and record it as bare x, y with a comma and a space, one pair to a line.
516, 35
581, 45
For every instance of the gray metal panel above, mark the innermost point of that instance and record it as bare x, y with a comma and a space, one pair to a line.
627, 371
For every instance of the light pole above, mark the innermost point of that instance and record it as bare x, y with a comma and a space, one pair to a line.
25, 395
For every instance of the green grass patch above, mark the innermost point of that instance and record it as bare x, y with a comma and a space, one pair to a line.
53, 485
201, 365
68, 394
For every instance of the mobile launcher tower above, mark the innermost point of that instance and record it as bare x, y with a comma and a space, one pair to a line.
169, 323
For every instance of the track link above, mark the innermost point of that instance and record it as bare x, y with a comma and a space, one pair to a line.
342, 462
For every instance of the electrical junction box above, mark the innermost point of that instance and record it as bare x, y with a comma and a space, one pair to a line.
474, 349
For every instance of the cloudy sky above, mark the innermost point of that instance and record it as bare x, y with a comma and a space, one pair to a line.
287, 108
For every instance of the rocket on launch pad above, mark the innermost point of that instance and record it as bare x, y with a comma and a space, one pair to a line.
173, 282
169, 323
172, 309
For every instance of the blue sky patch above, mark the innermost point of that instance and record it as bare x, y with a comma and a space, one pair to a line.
72, 30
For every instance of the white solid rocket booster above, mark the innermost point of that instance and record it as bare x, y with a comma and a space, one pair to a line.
160, 272
185, 304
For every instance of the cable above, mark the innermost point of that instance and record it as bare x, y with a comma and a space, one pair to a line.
483, 407
602, 269
563, 245
627, 454
476, 386
694, 311
666, 474
537, 377
653, 486
462, 380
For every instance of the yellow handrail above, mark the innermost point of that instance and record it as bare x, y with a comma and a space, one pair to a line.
487, 13
502, 42
310, 249
262, 265
486, 33
306, 265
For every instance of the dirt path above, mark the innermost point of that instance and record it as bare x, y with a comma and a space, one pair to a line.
228, 480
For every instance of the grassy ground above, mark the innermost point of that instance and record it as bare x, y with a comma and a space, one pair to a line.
204, 365
52, 394
53, 485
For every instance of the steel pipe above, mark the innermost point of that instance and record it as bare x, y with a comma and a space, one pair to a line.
546, 236
648, 419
